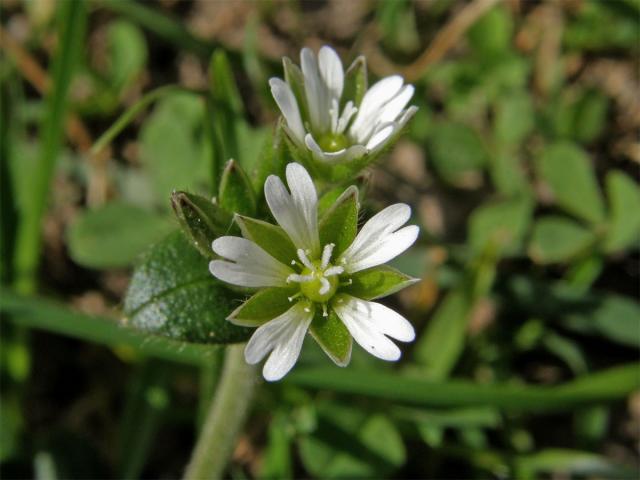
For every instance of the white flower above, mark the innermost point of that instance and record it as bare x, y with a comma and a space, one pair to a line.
333, 128
306, 283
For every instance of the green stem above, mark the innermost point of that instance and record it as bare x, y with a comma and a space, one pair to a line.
225, 418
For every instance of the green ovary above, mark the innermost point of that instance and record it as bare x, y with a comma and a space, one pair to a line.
311, 289
333, 142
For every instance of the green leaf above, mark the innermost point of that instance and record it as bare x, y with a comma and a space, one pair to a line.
568, 172
590, 116
508, 174
501, 225
201, 220
127, 53
456, 151
349, 444
236, 192
277, 460
558, 239
606, 385
332, 335
569, 463
172, 151
624, 220
35, 312
441, 344
263, 306
614, 317
172, 294
113, 235
514, 118
272, 238
224, 86
226, 106
340, 224
355, 81
492, 33
377, 282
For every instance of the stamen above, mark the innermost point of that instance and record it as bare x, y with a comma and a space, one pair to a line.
324, 310
293, 297
347, 283
294, 277
334, 111
326, 254
347, 114
336, 270
343, 261
305, 260
325, 286
307, 309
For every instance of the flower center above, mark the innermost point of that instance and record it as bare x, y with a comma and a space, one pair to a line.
319, 279
333, 142
320, 288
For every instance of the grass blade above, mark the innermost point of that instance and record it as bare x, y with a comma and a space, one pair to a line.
72, 23
46, 315
606, 385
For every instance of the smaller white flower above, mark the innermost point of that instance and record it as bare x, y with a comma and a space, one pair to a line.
333, 128
305, 283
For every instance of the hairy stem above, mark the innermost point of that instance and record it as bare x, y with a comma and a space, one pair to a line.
225, 417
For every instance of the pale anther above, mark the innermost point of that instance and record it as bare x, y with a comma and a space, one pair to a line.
302, 255
324, 310
336, 270
326, 254
294, 277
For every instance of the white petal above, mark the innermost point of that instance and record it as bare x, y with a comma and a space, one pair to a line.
384, 222
357, 316
283, 337
344, 155
296, 213
378, 140
288, 105
394, 107
381, 252
239, 275
331, 71
384, 319
315, 91
375, 98
253, 266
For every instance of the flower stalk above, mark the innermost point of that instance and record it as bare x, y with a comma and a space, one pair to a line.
225, 418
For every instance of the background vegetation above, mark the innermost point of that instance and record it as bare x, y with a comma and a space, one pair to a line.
522, 170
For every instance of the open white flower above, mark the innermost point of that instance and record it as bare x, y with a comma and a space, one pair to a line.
333, 128
316, 275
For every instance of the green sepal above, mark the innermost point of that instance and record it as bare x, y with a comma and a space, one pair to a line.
326, 201
271, 238
332, 336
173, 294
340, 224
236, 193
265, 305
355, 81
273, 159
377, 282
201, 220
294, 77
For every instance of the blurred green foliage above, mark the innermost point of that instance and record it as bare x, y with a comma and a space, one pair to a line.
527, 312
